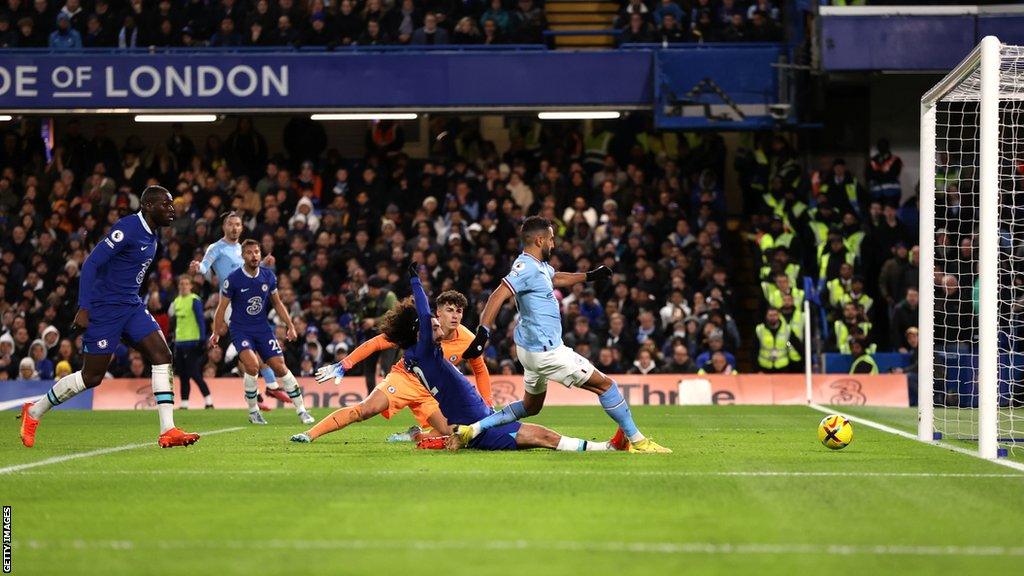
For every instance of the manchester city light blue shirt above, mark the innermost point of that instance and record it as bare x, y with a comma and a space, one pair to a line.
540, 320
222, 257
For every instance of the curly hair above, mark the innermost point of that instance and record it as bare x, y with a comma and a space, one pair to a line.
400, 324
453, 297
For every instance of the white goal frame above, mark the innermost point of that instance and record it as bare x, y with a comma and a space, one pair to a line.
986, 59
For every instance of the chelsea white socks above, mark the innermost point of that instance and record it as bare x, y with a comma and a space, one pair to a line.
249, 382
163, 391
64, 389
567, 444
291, 387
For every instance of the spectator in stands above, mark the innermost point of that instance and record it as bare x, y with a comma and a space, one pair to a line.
644, 364
491, 34
637, 31
466, 32
373, 35
911, 367
761, 28
680, 361
226, 35
284, 34
669, 7
430, 33
669, 30
65, 37
27, 370
29, 35
607, 362
863, 362
718, 364
735, 30
884, 174
529, 22
501, 17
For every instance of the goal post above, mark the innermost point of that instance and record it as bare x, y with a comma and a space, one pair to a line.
970, 378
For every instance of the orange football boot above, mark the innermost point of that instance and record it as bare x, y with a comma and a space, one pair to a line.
28, 426
176, 437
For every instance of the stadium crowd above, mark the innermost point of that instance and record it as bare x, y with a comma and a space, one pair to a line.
343, 230
70, 24
668, 21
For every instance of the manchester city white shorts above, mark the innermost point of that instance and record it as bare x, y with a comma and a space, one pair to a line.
562, 364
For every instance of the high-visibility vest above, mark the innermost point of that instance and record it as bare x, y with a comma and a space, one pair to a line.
792, 271
595, 148
945, 176
862, 299
843, 336
186, 325
836, 291
850, 188
796, 327
665, 143
864, 359
775, 347
820, 231
825, 257
853, 242
760, 181
773, 295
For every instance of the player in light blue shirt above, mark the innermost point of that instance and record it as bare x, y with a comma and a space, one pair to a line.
538, 337
224, 257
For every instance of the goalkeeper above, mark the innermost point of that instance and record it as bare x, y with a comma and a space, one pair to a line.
411, 326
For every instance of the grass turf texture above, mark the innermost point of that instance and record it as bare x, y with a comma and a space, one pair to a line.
250, 502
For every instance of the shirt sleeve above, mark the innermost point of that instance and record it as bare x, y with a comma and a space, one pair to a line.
367, 349
197, 309
426, 337
516, 280
271, 281
212, 252
482, 378
100, 255
227, 288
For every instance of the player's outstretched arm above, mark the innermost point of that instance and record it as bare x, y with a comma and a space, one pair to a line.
566, 279
419, 296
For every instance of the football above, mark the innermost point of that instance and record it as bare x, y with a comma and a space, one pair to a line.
835, 432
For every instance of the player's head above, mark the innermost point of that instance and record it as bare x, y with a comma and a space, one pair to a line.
537, 237
157, 205
232, 226
251, 253
400, 324
450, 306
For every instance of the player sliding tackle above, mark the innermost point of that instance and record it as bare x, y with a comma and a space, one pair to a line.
410, 325
249, 289
401, 388
538, 339
109, 307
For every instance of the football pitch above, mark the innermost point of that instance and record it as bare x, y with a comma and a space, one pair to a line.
748, 489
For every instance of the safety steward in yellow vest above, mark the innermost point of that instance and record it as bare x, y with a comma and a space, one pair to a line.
774, 291
794, 317
863, 363
843, 190
838, 287
779, 262
856, 295
852, 324
773, 342
830, 260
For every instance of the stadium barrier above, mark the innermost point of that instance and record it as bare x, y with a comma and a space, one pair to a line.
661, 389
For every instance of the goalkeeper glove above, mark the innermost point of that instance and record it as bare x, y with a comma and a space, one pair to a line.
476, 347
599, 273
325, 373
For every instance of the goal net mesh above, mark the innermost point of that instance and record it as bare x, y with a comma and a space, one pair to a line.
957, 203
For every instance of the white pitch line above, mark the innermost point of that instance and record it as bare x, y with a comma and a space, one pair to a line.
709, 548
903, 434
563, 472
100, 452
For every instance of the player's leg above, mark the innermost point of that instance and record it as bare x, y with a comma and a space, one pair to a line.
93, 368
536, 436
372, 405
270, 380
180, 364
618, 410
291, 387
249, 364
535, 384
155, 351
194, 365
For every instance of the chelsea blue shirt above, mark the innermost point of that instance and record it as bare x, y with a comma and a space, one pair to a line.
250, 297
540, 320
115, 270
459, 400
222, 257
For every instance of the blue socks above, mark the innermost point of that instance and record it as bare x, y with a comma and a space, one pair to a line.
615, 406
510, 413
268, 376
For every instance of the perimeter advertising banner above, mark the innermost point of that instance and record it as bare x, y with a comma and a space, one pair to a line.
842, 389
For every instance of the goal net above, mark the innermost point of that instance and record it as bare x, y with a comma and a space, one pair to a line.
971, 375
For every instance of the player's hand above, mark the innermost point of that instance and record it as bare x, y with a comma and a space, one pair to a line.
80, 323
325, 373
269, 261
291, 335
414, 270
214, 341
599, 274
193, 267
477, 346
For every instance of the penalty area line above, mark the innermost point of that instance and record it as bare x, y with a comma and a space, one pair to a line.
99, 452
904, 434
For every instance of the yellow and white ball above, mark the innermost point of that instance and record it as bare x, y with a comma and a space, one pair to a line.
835, 432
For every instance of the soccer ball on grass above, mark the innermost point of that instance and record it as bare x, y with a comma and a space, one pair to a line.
835, 432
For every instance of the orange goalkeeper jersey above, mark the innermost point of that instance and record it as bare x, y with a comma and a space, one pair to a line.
453, 348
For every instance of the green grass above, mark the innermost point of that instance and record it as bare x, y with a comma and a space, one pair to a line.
249, 502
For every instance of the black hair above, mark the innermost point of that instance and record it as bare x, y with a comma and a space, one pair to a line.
532, 225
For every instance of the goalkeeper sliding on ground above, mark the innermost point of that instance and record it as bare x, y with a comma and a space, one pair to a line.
411, 326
